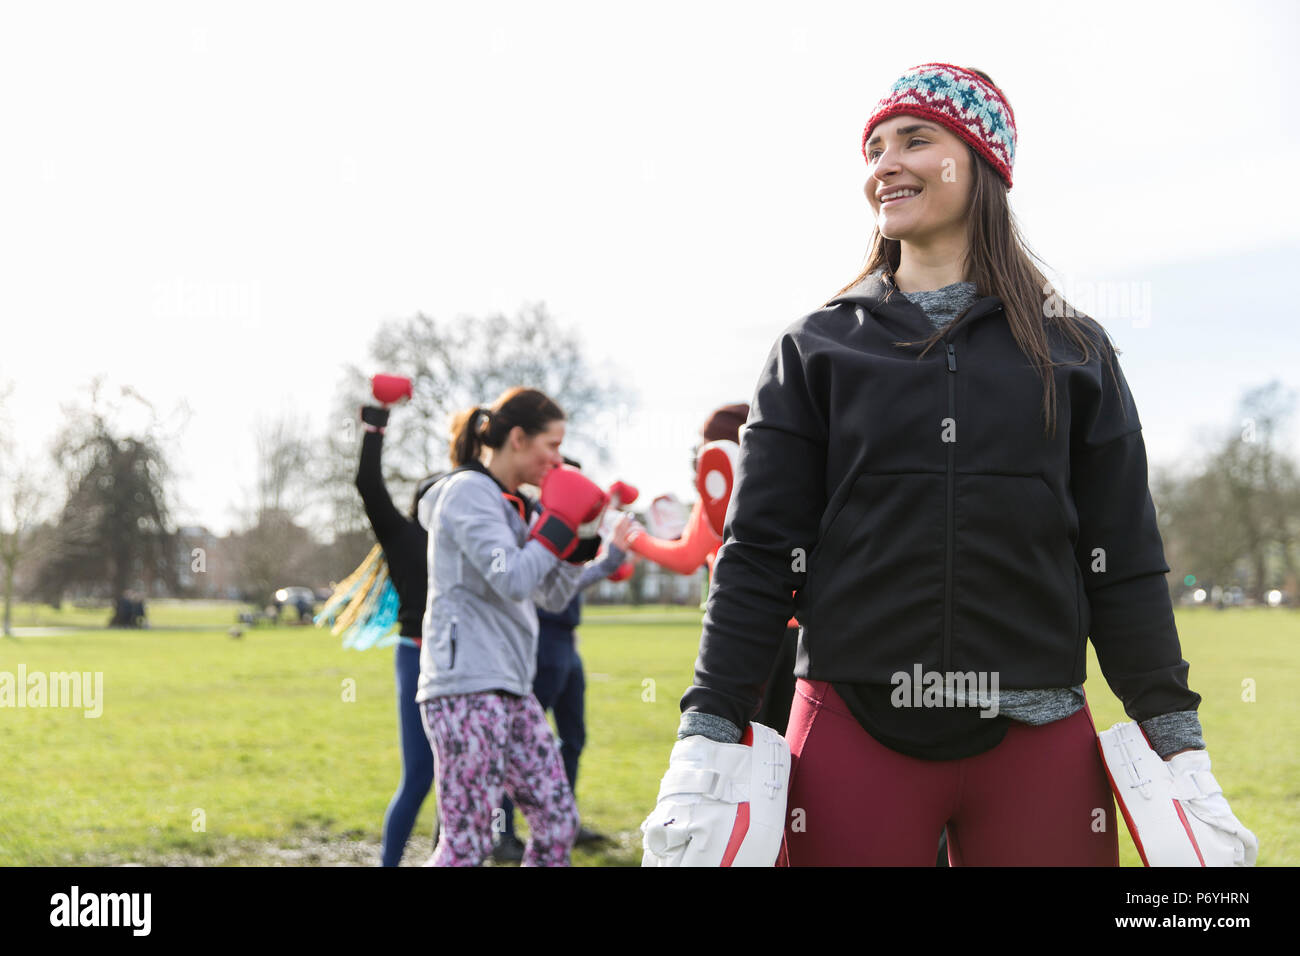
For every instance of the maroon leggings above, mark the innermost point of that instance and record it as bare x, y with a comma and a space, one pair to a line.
1039, 798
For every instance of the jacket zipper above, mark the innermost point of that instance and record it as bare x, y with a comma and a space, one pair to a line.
452, 665
951, 522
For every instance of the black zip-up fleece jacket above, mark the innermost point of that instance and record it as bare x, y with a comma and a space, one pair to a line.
923, 517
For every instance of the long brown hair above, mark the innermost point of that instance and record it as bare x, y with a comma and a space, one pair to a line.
479, 427
1001, 264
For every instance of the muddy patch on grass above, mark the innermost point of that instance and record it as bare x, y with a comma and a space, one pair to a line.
301, 849
325, 849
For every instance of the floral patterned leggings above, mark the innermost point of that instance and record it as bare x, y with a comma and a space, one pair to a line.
484, 744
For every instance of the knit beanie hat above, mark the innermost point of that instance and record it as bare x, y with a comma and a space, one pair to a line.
960, 100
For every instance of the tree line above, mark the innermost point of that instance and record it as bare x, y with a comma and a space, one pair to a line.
1230, 518
105, 527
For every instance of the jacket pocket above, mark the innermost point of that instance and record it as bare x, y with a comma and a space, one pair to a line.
444, 646
873, 601
1016, 582
835, 533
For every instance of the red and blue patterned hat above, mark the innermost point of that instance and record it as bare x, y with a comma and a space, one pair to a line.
960, 100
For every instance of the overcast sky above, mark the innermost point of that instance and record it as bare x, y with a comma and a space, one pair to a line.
220, 203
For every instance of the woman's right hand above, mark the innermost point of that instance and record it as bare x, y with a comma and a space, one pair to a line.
571, 508
710, 787
625, 530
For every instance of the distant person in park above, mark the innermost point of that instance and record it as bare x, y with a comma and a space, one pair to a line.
405, 546
960, 458
129, 611
560, 685
713, 466
494, 556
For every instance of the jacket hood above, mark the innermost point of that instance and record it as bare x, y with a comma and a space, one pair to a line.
530, 505
877, 295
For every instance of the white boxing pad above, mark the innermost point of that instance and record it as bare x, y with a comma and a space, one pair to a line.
666, 518
720, 804
1175, 809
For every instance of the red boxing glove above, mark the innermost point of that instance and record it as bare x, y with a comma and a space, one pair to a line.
571, 508
621, 493
390, 388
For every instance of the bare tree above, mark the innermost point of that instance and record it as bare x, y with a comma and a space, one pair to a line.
452, 366
23, 501
285, 464
24, 498
1236, 516
272, 553
274, 544
1265, 484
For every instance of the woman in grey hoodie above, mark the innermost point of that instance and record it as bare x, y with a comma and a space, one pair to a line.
493, 555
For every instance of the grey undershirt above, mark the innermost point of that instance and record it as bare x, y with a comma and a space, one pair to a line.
1168, 732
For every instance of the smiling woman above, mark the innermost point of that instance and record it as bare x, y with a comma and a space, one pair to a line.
905, 438
947, 136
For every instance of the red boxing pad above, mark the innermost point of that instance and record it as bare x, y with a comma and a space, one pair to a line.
714, 477
390, 388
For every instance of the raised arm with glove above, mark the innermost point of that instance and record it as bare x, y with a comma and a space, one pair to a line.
572, 505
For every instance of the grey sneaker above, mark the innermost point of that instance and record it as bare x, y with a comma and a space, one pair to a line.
589, 836
508, 849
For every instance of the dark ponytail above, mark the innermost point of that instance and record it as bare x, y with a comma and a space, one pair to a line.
481, 427
467, 430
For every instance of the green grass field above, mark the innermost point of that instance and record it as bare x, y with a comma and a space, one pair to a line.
217, 750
